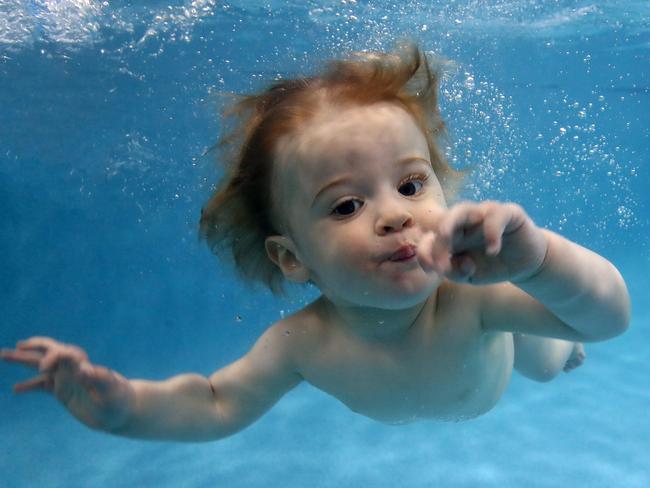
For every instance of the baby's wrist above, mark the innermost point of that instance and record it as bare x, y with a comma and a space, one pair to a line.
120, 421
537, 268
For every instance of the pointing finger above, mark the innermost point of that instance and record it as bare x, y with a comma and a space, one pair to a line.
37, 344
41, 382
425, 251
26, 358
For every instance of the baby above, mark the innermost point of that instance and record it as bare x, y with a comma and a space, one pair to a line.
425, 309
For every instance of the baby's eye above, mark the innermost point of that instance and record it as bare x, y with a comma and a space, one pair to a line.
347, 207
412, 186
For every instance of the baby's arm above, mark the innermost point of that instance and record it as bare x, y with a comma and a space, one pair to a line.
576, 295
581, 289
545, 284
187, 407
194, 408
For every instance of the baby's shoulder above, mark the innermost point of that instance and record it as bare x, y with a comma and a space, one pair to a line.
299, 332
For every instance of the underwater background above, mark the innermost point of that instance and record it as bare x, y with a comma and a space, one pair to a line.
108, 110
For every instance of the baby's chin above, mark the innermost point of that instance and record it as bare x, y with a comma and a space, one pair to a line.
393, 298
405, 301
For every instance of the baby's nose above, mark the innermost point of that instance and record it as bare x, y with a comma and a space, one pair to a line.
393, 221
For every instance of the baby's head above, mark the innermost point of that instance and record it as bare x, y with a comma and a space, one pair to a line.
250, 210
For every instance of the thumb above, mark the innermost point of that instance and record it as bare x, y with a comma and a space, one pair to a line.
433, 254
425, 251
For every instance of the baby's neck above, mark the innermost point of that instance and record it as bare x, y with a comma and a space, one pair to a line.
376, 324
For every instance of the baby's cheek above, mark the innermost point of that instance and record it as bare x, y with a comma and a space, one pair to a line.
429, 218
350, 257
350, 260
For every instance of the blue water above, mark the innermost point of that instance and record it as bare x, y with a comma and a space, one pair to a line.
106, 112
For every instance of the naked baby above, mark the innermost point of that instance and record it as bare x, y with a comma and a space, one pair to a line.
425, 308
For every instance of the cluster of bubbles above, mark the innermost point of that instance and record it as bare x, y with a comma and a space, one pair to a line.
521, 18
83, 23
599, 180
483, 121
74, 22
70, 22
484, 134
574, 174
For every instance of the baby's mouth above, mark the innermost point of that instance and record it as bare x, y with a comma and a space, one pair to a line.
404, 253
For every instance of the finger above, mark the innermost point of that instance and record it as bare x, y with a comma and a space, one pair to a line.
493, 227
433, 255
425, 251
50, 361
38, 343
26, 358
462, 268
459, 227
62, 356
42, 382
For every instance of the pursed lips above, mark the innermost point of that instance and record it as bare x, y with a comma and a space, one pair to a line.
403, 253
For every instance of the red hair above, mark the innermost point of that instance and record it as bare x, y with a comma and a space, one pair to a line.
238, 217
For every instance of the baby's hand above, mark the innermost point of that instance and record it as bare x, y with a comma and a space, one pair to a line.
97, 396
484, 242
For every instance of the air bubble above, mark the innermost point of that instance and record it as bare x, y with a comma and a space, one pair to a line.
469, 81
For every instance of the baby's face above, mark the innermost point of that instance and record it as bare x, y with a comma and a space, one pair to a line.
357, 194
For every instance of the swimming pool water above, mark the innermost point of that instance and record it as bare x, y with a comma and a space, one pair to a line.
107, 110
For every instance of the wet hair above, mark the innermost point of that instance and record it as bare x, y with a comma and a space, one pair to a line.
239, 216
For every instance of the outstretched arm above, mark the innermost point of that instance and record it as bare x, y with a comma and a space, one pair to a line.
195, 408
187, 407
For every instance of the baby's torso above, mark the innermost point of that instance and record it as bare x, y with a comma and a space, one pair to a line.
446, 369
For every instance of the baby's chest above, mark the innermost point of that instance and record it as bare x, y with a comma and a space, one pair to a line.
429, 379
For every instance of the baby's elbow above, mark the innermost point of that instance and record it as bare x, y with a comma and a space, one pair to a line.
619, 319
620, 309
625, 306
624, 318
612, 326
615, 328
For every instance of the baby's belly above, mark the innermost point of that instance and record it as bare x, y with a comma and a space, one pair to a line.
450, 391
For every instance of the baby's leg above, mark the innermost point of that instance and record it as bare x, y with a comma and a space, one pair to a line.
542, 358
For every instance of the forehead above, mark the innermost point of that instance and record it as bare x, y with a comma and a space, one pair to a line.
346, 140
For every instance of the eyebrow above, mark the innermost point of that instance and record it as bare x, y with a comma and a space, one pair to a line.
342, 179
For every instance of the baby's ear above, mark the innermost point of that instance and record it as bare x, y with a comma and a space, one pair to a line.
282, 251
